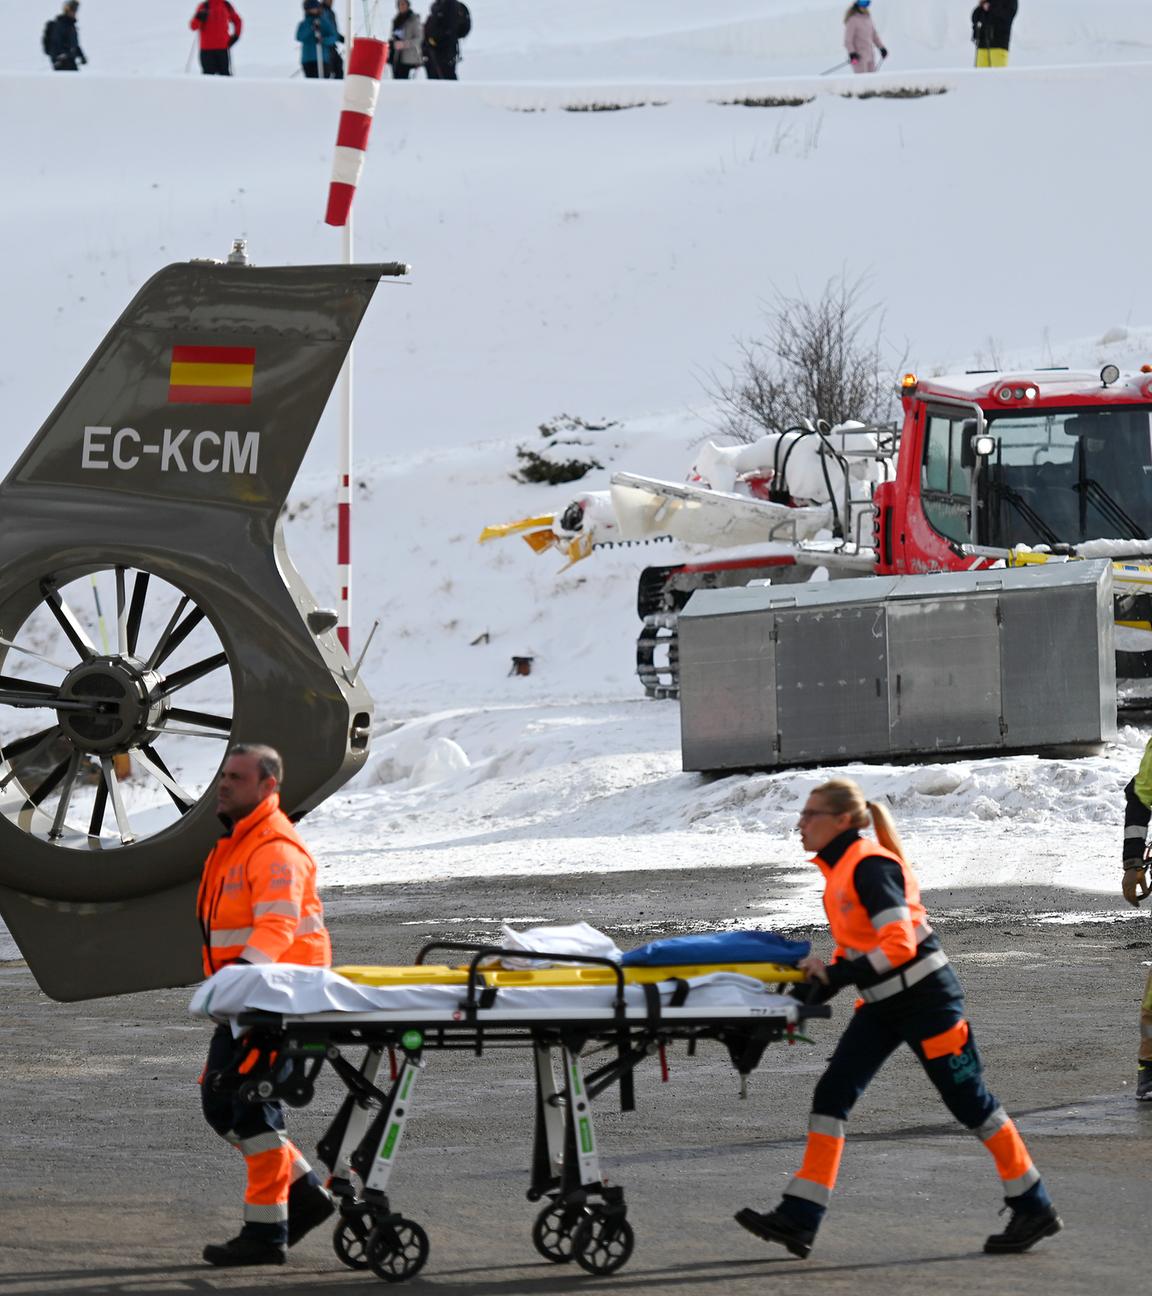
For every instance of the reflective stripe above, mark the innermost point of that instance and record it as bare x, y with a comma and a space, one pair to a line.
286, 907
262, 1143
906, 977
1135, 832
229, 936
254, 955
878, 961
827, 1125
898, 913
853, 953
1014, 1187
922, 931
996, 1121
273, 1214
310, 924
806, 1190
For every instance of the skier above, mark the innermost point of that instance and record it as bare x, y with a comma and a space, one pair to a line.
335, 58
219, 26
404, 50
62, 40
886, 948
992, 30
317, 34
861, 39
1138, 799
448, 23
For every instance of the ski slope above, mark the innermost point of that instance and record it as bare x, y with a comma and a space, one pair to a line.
600, 264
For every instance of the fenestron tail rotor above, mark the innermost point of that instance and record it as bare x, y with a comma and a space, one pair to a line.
120, 742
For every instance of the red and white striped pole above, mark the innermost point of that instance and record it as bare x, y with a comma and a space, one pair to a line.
361, 88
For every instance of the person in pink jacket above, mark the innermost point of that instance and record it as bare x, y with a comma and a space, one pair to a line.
860, 38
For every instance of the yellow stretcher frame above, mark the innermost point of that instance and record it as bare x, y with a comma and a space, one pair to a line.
442, 974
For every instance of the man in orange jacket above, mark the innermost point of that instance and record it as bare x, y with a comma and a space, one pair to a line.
258, 904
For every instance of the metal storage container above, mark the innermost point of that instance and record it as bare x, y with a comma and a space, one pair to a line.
898, 666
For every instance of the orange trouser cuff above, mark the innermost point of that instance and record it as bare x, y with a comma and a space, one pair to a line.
1013, 1163
269, 1175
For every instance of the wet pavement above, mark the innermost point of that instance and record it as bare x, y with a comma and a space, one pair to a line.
112, 1184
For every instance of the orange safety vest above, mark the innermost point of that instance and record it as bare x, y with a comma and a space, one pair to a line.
888, 940
258, 898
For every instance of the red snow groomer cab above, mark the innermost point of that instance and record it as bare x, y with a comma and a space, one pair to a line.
997, 460
1027, 467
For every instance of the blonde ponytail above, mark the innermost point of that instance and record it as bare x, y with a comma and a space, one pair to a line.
885, 828
843, 796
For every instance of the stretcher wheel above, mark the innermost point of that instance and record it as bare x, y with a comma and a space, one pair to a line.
300, 1094
552, 1232
255, 1091
350, 1242
602, 1243
397, 1249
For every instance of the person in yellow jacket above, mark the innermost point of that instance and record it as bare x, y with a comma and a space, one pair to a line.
258, 904
909, 994
1137, 812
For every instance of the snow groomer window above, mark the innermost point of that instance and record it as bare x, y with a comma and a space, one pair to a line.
945, 481
1068, 476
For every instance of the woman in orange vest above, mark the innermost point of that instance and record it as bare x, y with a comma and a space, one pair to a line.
258, 904
886, 948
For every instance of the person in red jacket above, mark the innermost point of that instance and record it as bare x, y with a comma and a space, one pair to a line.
219, 26
258, 904
909, 994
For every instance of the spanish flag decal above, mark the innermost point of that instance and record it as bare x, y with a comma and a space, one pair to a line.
211, 375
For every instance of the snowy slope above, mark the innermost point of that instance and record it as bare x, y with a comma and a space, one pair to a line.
600, 264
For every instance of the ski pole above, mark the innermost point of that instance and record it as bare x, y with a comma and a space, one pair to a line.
191, 53
836, 68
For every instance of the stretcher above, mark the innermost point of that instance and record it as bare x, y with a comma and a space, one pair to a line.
291, 1022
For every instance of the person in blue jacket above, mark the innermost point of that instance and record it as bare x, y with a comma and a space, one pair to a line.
318, 37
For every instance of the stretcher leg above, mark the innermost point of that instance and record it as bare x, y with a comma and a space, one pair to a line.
585, 1218
548, 1135
340, 1140
371, 1235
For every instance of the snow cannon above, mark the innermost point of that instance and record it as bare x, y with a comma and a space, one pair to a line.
150, 615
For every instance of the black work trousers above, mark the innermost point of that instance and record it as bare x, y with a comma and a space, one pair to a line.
876, 1031
215, 62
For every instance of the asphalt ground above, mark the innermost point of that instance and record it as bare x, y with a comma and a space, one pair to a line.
111, 1182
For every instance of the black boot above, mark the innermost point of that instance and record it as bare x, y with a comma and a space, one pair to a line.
1025, 1229
246, 1251
309, 1205
777, 1227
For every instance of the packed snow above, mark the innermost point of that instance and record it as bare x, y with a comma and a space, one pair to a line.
600, 264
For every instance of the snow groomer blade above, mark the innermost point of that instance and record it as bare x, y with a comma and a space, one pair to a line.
150, 615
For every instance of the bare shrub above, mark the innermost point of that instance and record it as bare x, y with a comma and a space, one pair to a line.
896, 92
550, 466
766, 101
816, 359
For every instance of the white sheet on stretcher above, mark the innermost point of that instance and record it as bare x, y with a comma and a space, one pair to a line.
295, 991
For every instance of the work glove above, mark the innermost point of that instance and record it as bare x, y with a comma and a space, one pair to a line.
853, 58
1135, 884
232, 41
883, 52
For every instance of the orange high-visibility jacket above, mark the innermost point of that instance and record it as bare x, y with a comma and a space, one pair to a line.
887, 939
258, 897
